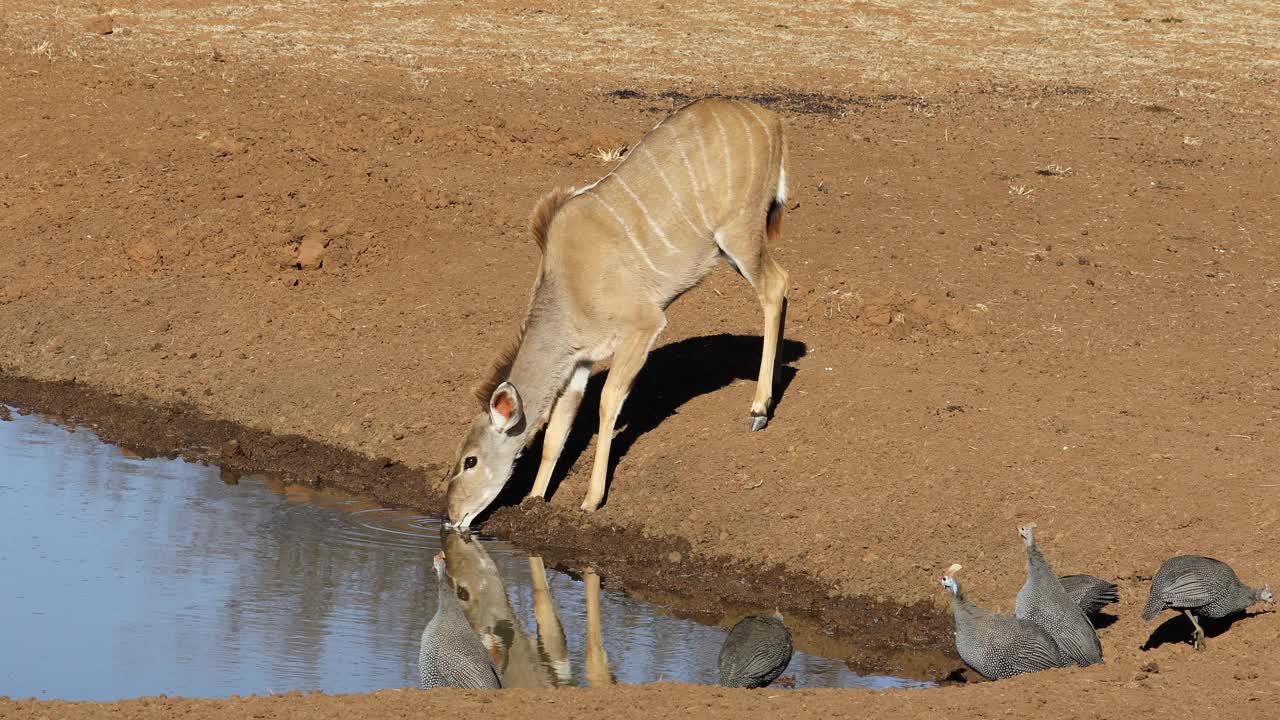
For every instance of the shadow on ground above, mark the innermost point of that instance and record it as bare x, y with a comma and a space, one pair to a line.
673, 375
1178, 629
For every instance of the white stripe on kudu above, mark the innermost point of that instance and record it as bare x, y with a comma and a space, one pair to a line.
751, 109
751, 148
700, 134
627, 230
677, 198
693, 184
725, 153
655, 227
599, 293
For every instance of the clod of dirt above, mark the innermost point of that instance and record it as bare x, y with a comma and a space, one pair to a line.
144, 253
311, 252
879, 316
100, 25
340, 228
225, 147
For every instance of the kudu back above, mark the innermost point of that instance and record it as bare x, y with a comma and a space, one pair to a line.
707, 182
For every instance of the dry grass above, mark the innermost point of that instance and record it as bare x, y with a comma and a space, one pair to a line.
1158, 49
609, 156
43, 49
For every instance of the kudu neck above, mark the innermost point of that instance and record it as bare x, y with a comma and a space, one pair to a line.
542, 366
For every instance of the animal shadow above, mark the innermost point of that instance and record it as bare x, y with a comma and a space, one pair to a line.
1178, 629
1102, 621
673, 375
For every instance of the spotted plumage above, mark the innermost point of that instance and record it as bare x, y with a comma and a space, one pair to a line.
1044, 601
756, 651
998, 646
1090, 593
1200, 586
451, 654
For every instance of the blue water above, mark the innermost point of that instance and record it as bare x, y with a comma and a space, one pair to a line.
123, 577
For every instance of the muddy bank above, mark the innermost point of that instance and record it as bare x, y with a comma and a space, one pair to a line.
874, 636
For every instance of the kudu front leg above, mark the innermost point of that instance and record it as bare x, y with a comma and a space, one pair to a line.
553, 439
597, 660
627, 361
772, 288
550, 632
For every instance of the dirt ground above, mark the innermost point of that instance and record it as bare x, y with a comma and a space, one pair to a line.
1034, 278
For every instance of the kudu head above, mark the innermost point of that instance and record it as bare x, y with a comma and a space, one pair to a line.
487, 456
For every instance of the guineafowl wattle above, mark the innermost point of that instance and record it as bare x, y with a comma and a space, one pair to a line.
1044, 601
451, 654
1201, 586
998, 646
756, 651
1089, 592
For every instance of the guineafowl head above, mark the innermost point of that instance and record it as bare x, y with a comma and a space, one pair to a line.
1027, 533
948, 580
1264, 595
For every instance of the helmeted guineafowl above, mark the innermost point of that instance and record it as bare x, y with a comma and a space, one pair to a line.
451, 654
998, 646
1044, 601
1201, 586
755, 652
1089, 592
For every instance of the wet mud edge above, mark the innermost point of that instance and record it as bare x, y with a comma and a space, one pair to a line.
874, 636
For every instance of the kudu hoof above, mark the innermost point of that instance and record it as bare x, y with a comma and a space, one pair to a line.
758, 422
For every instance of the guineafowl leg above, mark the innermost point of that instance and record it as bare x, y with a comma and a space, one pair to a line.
1198, 636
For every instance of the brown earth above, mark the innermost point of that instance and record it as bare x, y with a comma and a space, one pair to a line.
1034, 264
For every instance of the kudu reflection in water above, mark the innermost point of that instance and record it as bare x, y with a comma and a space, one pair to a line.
537, 661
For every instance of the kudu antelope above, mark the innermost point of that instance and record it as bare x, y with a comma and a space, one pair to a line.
707, 182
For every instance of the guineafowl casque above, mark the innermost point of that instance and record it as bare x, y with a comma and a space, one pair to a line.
451, 654
1089, 592
756, 651
998, 646
1044, 601
1201, 586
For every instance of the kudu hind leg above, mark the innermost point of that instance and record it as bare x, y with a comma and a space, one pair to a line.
627, 361
772, 289
747, 252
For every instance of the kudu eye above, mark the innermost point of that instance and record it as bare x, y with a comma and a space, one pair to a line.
469, 463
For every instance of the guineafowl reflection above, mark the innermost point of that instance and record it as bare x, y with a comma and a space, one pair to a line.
539, 660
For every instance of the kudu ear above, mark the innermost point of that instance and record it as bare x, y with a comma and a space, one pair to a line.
505, 408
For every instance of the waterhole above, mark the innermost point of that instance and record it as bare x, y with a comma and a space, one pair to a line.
123, 576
